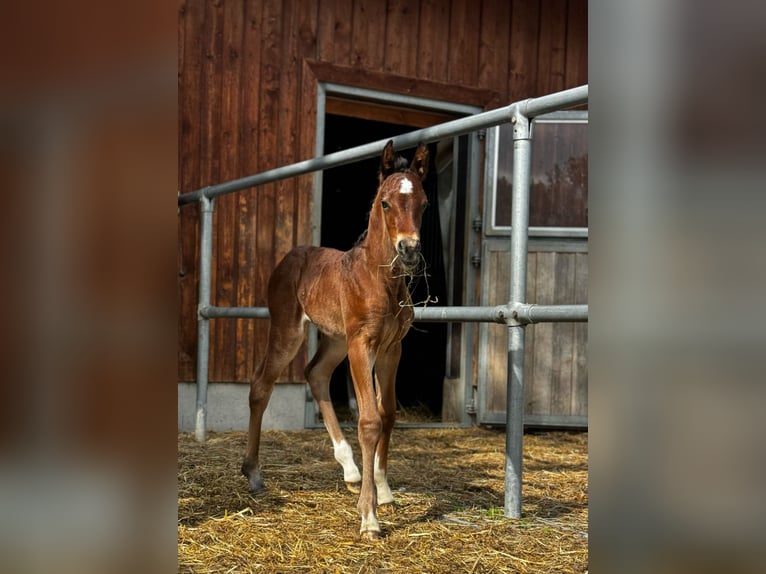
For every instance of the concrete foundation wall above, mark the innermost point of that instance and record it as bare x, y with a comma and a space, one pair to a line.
228, 410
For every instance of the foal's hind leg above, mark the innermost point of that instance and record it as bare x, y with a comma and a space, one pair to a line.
318, 372
286, 333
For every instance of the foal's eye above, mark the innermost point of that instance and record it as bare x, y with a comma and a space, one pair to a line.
385, 205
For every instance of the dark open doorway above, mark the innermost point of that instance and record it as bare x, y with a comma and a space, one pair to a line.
347, 193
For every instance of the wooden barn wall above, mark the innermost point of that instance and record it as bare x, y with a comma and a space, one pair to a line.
247, 78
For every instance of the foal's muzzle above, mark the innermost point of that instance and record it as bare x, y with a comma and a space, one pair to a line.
409, 251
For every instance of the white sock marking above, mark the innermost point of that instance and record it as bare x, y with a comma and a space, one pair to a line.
345, 456
406, 186
369, 524
381, 485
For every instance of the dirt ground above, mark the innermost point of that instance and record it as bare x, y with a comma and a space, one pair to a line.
448, 515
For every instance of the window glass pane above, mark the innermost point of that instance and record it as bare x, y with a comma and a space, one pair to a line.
559, 194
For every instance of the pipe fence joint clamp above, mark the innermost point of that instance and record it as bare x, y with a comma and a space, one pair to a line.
518, 314
205, 202
520, 124
502, 314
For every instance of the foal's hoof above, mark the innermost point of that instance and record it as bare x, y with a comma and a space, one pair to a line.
354, 487
371, 535
254, 480
256, 486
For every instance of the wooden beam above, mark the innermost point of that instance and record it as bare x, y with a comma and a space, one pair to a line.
385, 113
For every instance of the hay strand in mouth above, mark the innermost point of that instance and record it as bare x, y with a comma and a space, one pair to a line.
412, 274
411, 288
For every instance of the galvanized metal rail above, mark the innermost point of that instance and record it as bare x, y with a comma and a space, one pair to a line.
516, 314
524, 313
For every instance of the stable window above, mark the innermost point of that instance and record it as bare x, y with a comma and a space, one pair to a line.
559, 193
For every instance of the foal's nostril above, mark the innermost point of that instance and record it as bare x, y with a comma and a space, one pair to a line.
408, 247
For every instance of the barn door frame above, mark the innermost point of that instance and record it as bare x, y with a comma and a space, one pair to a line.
377, 97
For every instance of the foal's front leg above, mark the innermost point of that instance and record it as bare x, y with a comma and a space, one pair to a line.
385, 378
361, 360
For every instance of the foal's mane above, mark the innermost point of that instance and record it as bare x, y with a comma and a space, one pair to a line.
401, 164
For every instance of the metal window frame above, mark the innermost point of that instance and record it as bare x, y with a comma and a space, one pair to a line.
490, 180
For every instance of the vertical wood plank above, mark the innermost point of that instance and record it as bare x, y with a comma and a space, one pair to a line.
309, 42
251, 86
239, 56
225, 254
249, 291
552, 54
334, 31
308, 30
402, 23
288, 113
369, 34
579, 404
432, 49
497, 369
245, 328
191, 17
494, 39
529, 339
543, 358
269, 127
525, 25
563, 335
497, 359
210, 149
268, 133
210, 87
306, 99
289, 84
305, 201
577, 44
463, 41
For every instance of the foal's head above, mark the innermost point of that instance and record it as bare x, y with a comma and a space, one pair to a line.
401, 201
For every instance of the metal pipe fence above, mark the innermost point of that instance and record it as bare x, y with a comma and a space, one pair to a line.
516, 314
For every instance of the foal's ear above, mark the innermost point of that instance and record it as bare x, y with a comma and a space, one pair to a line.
420, 161
388, 160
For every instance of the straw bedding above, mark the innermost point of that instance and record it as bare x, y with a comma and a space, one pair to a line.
448, 516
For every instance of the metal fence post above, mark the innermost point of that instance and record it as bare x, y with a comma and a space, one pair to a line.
514, 425
203, 323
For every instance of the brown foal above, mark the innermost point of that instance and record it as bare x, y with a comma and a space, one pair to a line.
359, 301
